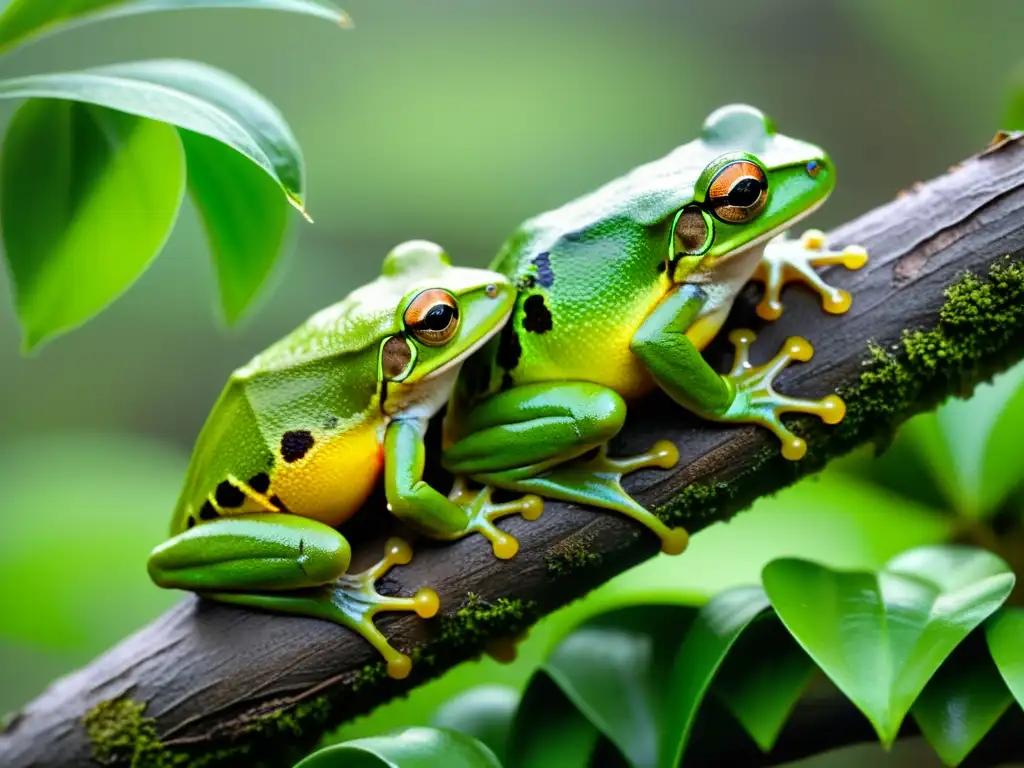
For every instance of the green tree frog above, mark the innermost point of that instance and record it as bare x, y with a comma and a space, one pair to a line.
301, 435
619, 293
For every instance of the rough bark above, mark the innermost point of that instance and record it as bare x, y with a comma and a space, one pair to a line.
241, 686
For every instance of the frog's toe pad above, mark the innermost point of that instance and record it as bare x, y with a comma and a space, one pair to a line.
674, 541
426, 603
399, 666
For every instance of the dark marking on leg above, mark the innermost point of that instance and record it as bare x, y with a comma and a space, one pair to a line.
545, 275
296, 444
207, 511
506, 381
662, 266
509, 348
260, 483
538, 316
276, 501
190, 521
228, 496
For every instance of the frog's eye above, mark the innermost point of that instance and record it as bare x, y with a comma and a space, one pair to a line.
433, 317
738, 192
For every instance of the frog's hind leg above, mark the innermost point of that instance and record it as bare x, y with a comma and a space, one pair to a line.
288, 564
531, 439
482, 513
786, 260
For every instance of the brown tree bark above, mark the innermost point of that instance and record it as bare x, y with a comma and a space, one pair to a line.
249, 688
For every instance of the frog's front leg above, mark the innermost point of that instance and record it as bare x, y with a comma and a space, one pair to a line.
787, 260
745, 394
440, 517
533, 438
288, 564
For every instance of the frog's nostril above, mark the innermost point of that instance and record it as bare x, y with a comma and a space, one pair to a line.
813, 168
491, 291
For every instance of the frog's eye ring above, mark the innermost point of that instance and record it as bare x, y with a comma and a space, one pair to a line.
693, 232
433, 317
738, 193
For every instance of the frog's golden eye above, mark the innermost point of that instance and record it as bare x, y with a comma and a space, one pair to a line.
433, 317
738, 192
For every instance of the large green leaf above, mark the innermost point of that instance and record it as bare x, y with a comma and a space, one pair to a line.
962, 702
244, 216
880, 638
762, 679
485, 713
23, 20
1005, 635
711, 635
548, 729
87, 199
188, 95
409, 748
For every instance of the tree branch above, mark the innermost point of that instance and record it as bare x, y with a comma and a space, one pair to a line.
245, 687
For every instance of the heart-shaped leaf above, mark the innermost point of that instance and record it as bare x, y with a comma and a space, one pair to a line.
1005, 635
712, 634
962, 702
880, 638
244, 216
23, 20
408, 748
87, 199
188, 95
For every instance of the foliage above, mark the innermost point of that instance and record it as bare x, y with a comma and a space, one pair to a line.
95, 164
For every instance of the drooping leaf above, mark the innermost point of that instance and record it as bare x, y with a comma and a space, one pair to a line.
23, 20
408, 748
87, 199
762, 679
712, 634
548, 729
962, 702
1005, 635
188, 95
243, 214
485, 713
880, 638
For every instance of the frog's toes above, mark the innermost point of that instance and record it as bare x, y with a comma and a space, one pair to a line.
356, 597
785, 261
757, 401
482, 512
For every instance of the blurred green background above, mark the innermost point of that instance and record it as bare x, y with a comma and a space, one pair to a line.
451, 120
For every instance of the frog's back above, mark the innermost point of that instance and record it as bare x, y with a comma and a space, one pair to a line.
298, 429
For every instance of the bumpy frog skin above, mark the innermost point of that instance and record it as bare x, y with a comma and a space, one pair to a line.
619, 293
301, 434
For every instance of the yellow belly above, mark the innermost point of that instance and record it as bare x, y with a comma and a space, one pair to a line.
335, 477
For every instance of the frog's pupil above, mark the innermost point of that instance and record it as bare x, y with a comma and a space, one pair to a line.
438, 318
745, 192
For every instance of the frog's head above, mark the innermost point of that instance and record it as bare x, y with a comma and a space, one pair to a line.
443, 313
752, 184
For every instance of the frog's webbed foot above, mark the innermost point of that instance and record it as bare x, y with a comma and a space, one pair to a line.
356, 597
597, 480
482, 513
756, 401
786, 260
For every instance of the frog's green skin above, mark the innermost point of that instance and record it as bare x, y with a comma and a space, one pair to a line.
620, 290
302, 433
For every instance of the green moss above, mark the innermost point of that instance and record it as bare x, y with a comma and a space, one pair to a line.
571, 560
979, 332
121, 734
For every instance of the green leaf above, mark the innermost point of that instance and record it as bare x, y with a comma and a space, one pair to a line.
548, 729
716, 628
188, 95
762, 679
243, 214
23, 20
1005, 635
87, 199
880, 638
962, 702
486, 713
408, 748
